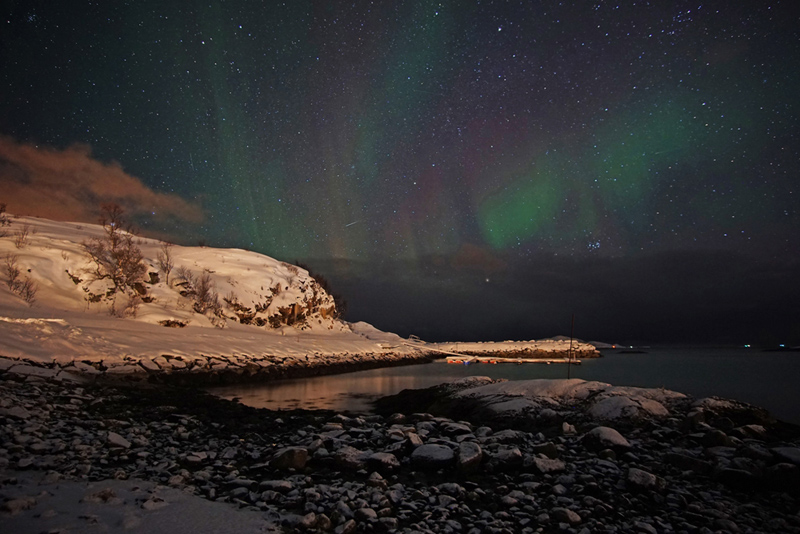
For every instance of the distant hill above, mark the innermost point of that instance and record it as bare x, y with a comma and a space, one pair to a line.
57, 304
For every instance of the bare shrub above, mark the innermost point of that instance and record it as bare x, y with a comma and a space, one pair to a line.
115, 255
27, 290
173, 323
12, 270
132, 305
21, 236
184, 275
165, 260
4, 221
205, 298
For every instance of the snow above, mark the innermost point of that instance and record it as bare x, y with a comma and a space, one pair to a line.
62, 326
260, 299
135, 506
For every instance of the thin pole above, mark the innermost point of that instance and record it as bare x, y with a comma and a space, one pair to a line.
569, 355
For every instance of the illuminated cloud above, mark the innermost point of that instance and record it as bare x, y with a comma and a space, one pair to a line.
70, 185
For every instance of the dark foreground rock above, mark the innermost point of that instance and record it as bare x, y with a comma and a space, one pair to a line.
704, 467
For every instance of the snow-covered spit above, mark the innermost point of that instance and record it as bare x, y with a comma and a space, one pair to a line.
273, 320
559, 346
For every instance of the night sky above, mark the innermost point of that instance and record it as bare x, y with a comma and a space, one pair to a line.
458, 170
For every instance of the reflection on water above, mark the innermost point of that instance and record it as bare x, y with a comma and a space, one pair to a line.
764, 379
355, 391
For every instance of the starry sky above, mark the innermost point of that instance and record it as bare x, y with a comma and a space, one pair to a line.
458, 170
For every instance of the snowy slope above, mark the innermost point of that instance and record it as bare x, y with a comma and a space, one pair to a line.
74, 318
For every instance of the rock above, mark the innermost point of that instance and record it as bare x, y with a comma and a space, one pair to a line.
323, 522
115, 440
17, 412
738, 479
348, 527
716, 438
290, 458
454, 429
282, 486
506, 458
383, 462
787, 454
565, 515
549, 449
308, 521
365, 514
414, 440
104, 496
350, 458
640, 480
506, 436
154, 503
545, 465
470, 456
603, 437
688, 463
375, 480
432, 456
15, 506
782, 477
645, 528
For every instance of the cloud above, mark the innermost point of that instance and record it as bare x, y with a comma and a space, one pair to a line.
70, 185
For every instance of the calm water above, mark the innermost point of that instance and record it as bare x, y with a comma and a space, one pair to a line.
767, 379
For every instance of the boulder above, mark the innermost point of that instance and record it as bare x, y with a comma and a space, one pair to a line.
115, 440
470, 456
640, 480
603, 437
290, 458
432, 456
383, 462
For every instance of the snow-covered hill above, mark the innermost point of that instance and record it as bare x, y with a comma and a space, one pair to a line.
234, 305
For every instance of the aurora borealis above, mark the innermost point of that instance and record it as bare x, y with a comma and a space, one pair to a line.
469, 169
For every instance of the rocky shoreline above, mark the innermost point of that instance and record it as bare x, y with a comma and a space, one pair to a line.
703, 466
209, 371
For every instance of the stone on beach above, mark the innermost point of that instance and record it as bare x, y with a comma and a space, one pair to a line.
290, 458
432, 456
470, 456
472, 475
603, 437
116, 440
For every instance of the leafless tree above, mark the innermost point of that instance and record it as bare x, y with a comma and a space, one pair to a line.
115, 255
26, 288
205, 298
3, 220
12, 270
165, 260
21, 236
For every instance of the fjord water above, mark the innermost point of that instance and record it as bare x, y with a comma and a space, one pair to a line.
767, 379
